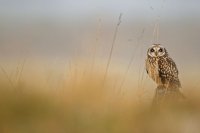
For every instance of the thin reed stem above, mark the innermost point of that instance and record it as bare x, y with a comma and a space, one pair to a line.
131, 61
20, 72
8, 78
112, 47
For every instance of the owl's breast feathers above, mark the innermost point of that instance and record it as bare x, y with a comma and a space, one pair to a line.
152, 69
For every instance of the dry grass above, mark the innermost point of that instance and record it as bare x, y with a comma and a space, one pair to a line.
82, 105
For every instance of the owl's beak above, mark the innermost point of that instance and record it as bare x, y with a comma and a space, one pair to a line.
156, 53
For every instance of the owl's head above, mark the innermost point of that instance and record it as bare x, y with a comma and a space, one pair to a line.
156, 50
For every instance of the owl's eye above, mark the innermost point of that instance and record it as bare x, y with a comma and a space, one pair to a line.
152, 50
160, 50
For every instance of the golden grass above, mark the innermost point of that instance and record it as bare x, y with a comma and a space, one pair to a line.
82, 104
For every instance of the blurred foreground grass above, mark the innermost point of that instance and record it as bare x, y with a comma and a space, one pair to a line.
85, 105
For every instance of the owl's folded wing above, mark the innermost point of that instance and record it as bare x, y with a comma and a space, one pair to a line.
168, 72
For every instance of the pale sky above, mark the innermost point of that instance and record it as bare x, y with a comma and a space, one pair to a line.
76, 8
55, 27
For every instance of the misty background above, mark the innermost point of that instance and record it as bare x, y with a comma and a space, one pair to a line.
60, 31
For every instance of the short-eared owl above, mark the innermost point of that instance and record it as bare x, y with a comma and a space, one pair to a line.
161, 68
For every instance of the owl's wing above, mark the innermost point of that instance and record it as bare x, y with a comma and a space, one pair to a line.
168, 72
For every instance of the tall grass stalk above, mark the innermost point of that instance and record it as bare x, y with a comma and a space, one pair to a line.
112, 47
20, 71
131, 61
7, 77
156, 32
97, 38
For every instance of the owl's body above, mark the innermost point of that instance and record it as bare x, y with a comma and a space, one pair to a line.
161, 68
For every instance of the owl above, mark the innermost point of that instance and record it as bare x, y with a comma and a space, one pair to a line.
161, 68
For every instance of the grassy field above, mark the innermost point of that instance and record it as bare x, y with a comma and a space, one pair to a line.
83, 102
